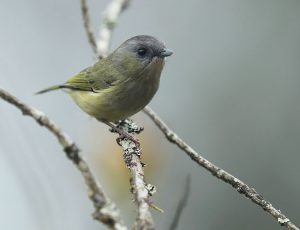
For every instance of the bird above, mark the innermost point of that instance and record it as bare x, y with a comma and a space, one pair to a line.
121, 84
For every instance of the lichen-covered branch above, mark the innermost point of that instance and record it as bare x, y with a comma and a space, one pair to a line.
139, 188
239, 185
105, 210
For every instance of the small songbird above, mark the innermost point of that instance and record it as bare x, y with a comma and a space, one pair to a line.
121, 84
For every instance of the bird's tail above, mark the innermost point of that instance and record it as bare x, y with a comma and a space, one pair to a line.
55, 87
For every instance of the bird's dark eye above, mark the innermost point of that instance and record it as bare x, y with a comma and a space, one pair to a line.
142, 52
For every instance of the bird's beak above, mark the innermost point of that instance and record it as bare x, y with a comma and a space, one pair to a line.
166, 53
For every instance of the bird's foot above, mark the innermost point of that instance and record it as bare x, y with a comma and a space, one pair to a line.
123, 134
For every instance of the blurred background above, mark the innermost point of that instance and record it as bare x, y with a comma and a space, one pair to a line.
231, 90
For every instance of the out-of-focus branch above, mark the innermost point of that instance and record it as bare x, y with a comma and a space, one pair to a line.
139, 188
109, 21
105, 210
87, 25
239, 185
182, 203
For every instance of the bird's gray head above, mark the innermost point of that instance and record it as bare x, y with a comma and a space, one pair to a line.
144, 48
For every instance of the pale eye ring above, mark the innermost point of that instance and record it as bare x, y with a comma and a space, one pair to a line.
142, 52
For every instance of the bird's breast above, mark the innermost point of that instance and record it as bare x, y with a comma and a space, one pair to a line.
123, 99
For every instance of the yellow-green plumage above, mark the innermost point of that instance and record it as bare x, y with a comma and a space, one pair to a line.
123, 98
120, 85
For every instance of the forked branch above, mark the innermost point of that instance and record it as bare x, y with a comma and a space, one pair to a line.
105, 210
108, 23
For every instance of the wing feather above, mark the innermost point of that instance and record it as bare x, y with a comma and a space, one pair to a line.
100, 76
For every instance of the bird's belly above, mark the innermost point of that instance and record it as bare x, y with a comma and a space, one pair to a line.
117, 102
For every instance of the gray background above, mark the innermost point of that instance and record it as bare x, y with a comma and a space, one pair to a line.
231, 89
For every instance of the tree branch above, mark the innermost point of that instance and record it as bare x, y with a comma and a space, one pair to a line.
108, 23
221, 174
105, 210
87, 25
139, 188
182, 203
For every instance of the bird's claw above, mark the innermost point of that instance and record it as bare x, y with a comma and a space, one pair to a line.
129, 137
123, 134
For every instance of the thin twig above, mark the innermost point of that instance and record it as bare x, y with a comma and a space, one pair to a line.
108, 23
105, 210
139, 188
87, 25
239, 185
182, 203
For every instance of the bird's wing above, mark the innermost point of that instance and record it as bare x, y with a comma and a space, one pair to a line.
96, 78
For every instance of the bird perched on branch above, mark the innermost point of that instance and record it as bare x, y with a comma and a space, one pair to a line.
121, 84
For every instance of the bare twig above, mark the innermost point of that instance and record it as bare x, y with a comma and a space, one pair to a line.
182, 203
88, 26
239, 185
108, 23
105, 210
139, 188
